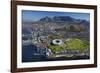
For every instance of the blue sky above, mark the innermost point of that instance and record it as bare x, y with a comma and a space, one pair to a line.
30, 15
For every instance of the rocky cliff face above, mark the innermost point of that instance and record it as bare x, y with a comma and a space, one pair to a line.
62, 19
58, 19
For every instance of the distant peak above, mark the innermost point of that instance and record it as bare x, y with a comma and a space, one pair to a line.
46, 19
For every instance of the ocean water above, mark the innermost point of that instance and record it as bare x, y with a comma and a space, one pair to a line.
30, 54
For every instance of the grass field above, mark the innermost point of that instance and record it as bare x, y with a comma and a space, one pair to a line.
76, 44
71, 44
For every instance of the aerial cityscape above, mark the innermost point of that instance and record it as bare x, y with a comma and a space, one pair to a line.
55, 36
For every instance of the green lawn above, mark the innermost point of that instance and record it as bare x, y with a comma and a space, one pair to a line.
55, 48
72, 44
76, 44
